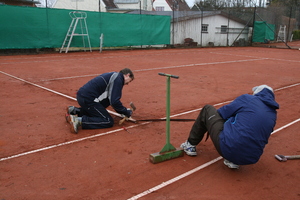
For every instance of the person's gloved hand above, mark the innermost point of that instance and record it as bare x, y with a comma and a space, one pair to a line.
129, 113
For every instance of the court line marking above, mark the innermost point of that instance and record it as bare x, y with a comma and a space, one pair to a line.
254, 57
89, 57
53, 91
169, 67
97, 135
69, 142
177, 178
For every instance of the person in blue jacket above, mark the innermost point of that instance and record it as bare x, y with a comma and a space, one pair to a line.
239, 130
95, 96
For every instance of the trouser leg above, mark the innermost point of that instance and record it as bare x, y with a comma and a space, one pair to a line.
94, 115
209, 121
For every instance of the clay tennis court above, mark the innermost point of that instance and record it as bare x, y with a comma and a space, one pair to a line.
41, 159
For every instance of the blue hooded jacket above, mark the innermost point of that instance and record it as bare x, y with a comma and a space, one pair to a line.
250, 122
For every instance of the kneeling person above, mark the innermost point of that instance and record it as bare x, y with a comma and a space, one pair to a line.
95, 96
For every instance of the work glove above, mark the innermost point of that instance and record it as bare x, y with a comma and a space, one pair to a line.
129, 113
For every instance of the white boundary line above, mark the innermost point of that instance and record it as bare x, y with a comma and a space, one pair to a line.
69, 142
170, 67
55, 92
254, 57
177, 178
97, 135
164, 184
39, 86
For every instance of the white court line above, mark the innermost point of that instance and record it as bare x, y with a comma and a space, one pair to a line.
97, 135
55, 92
164, 184
287, 87
177, 178
170, 67
199, 64
69, 142
254, 57
38, 86
63, 78
86, 57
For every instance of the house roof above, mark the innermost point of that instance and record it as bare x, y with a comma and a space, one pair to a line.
110, 4
179, 5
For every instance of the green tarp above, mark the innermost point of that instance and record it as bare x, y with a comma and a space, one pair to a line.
263, 32
28, 27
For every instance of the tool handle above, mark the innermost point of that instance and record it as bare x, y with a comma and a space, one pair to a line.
169, 75
293, 157
122, 120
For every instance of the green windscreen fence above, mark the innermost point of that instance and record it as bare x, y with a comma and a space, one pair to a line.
263, 31
28, 27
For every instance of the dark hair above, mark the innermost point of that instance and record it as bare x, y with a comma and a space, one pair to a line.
127, 71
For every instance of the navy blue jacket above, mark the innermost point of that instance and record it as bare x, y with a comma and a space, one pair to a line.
250, 122
107, 90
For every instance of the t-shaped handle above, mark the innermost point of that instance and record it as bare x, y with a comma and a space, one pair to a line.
169, 75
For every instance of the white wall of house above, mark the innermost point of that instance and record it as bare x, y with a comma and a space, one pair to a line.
160, 4
140, 4
93, 5
88, 5
192, 29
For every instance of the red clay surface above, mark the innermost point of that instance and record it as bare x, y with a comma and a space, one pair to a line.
41, 159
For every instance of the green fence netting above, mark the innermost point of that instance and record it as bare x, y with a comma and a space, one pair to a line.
263, 31
28, 27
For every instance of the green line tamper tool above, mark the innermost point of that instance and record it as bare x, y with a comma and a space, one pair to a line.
169, 151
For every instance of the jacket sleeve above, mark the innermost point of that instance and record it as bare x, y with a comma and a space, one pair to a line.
231, 109
116, 97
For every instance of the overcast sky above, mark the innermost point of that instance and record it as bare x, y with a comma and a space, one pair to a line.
190, 2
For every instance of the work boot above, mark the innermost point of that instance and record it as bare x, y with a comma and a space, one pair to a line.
230, 164
68, 118
72, 110
74, 122
189, 149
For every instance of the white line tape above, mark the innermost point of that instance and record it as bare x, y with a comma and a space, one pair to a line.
199, 64
164, 184
39, 86
69, 142
97, 135
287, 125
177, 178
61, 94
170, 67
58, 145
287, 86
106, 133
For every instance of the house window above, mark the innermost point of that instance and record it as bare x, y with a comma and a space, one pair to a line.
160, 8
204, 28
223, 29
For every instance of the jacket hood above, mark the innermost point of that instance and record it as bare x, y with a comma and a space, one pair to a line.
268, 97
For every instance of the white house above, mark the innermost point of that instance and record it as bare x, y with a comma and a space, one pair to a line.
118, 6
88, 5
170, 5
209, 29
